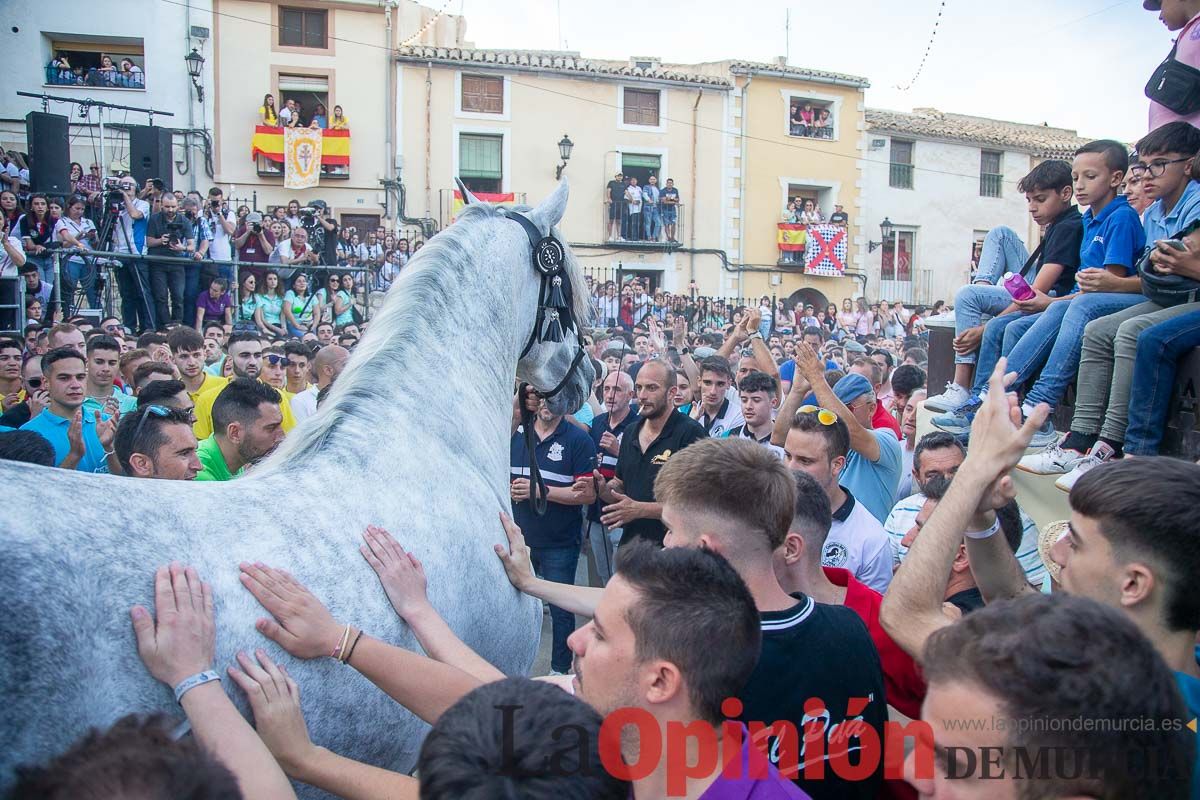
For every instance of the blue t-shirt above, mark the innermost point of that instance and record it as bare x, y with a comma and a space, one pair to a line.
787, 370
1189, 687
1114, 237
53, 429
564, 454
1163, 226
874, 483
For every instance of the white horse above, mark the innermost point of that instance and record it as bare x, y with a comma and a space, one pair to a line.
413, 437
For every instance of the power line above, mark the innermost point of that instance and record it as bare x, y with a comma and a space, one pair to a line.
933, 35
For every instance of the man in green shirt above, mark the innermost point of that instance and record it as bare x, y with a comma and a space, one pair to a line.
247, 426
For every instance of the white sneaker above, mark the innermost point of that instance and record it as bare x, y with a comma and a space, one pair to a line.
1100, 453
954, 398
1054, 460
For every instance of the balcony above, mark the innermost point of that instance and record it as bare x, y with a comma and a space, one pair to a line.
820, 249
267, 150
108, 79
658, 227
901, 176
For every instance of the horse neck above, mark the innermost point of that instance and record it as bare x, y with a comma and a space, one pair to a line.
441, 352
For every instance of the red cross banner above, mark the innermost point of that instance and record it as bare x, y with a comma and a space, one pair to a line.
301, 158
826, 252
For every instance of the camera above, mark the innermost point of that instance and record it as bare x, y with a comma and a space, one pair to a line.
254, 222
174, 232
158, 184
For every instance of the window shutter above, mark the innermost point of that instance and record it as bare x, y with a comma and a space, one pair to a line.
641, 107
480, 156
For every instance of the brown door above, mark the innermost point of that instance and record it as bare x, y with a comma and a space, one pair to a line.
362, 224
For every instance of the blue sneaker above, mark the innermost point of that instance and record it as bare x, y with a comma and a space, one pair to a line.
959, 422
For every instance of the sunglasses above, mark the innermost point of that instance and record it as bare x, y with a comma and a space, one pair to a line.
275, 359
34, 383
824, 415
158, 411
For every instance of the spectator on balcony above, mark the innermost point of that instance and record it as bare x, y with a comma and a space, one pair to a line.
106, 73
289, 115
267, 114
61, 70
616, 203
822, 127
131, 74
633, 202
652, 221
340, 121
669, 198
797, 126
811, 215
839, 217
320, 118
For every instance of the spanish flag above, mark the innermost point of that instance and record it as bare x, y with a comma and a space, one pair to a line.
268, 142
500, 199
792, 237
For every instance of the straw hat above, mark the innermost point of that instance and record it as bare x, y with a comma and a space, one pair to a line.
1046, 539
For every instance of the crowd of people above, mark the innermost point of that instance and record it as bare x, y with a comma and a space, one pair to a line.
642, 213
293, 115
781, 568
92, 70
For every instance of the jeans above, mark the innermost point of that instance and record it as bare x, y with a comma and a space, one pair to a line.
1003, 251
1159, 349
167, 279
651, 223
75, 273
558, 564
191, 290
133, 281
971, 305
996, 343
1106, 367
1055, 339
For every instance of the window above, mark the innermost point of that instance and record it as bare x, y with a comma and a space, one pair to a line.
641, 107
480, 161
897, 257
900, 176
303, 27
117, 63
811, 119
990, 177
483, 94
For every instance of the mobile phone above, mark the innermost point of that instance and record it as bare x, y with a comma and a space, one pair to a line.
1174, 244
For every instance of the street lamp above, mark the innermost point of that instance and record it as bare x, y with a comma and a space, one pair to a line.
195, 65
565, 146
886, 229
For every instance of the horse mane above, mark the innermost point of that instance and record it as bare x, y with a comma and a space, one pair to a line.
421, 292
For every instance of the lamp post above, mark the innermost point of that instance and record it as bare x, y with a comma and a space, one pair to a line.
565, 146
195, 65
886, 229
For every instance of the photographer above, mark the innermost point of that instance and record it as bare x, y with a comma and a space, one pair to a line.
172, 235
152, 193
254, 243
322, 231
133, 276
199, 274
220, 220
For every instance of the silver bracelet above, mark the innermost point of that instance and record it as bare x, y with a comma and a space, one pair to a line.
984, 534
189, 683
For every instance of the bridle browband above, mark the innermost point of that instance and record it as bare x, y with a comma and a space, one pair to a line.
555, 317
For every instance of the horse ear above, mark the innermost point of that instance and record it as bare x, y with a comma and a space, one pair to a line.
468, 198
551, 210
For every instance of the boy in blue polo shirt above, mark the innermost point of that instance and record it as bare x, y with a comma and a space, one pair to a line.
1107, 282
63, 420
566, 456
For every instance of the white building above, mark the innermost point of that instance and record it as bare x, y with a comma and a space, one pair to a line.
943, 180
155, 37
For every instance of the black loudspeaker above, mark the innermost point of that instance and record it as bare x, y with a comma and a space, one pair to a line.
49, 153
12, 305
150, 155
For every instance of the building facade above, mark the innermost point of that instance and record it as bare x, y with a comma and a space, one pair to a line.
943, 181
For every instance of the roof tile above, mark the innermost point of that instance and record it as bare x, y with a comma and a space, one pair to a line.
1042, 141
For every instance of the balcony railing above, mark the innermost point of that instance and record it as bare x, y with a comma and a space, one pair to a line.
818, 249
266, 148
643, 225
989, 184
78, 76
901, 176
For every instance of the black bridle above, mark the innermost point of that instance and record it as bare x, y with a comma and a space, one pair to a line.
555, 317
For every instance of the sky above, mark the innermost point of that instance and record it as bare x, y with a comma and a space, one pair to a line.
1079, 64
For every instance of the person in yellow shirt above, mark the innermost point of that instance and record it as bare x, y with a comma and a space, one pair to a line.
339, 121
245, 356
266, 112
187, 351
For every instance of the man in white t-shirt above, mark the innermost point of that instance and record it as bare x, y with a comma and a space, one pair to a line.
818, 443
328, 365
133, 276
759, 396
633, 205
223, 225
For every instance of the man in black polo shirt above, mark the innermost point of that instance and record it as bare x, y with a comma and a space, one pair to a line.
615, 195
607, 430
645, 448
565, 457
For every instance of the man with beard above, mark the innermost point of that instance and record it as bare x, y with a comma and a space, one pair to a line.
246, 352
157, 442
248, 426
607, 430
645, 447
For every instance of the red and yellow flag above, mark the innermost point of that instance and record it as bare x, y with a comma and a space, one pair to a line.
792, 237
498, 198
268, 142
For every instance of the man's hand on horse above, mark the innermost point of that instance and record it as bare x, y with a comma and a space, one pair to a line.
301, 625
400, 573
275, 700
180, 640
515, 558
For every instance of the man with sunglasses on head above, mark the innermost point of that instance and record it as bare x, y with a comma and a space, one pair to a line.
36, 398
169, 393
156, 441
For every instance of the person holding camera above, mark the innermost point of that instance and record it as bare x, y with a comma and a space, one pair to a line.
254, 243
202, 272
152, 193
172, 235
220, 219
133, 276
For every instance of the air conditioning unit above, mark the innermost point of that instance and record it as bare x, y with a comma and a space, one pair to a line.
878, 144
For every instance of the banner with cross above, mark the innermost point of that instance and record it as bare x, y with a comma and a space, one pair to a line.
826, 251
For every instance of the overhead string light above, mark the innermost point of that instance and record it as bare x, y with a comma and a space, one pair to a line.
432, 20
937, 22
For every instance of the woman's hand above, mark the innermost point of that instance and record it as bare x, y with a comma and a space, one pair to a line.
400, 573
275, 700
301, 624
183, 640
